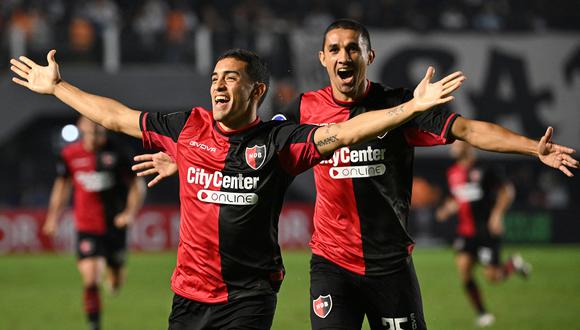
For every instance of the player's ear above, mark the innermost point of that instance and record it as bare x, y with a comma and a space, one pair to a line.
259, 90
371, 56
322, 58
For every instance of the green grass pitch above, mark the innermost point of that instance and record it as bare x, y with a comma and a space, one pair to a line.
43, 292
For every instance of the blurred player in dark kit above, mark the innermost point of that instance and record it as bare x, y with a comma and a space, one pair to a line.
234, 170
107, 197
480, 196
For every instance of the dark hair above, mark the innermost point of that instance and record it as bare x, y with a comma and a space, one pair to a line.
349, 24
256, 67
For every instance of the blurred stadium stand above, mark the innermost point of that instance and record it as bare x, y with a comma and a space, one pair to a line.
522, 59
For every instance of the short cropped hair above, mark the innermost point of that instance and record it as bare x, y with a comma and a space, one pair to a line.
349, 24
256, 67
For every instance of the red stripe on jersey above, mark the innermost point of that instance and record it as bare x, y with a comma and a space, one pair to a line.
336, 211
420, 138
198, 273
457, 176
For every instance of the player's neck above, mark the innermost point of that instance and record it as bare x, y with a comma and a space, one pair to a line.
240, 125
356, 95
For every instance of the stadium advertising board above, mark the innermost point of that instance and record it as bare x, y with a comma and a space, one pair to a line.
155, 229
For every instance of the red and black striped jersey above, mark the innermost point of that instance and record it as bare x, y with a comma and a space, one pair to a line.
475, 189
363, 192
232, 186
100, 181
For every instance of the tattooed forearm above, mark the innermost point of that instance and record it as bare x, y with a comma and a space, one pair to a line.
326, 141
397, 111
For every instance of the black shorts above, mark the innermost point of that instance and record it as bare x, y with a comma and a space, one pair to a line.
112, 246
255, 312
485, 250
339, 299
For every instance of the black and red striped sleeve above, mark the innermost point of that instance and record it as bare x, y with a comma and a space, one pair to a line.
161, 130
296, 149
431, 128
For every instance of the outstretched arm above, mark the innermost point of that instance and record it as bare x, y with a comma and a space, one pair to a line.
58, 199
492, 137
373, 123
47, 80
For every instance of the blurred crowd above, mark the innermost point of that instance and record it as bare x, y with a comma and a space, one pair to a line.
169, 30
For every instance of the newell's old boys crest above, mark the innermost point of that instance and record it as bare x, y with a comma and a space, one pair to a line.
255, 156
322, 306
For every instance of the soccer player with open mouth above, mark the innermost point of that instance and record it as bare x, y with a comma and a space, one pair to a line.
361, 249
233, 171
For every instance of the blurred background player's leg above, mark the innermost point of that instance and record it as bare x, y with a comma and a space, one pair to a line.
91, 270
465, 266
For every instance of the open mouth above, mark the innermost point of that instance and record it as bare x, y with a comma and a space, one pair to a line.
345, 73
221, 99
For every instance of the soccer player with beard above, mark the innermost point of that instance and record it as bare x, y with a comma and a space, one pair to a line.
361, 263
480, 196
234, 170
107, 197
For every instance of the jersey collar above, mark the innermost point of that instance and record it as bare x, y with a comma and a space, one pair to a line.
237, 131
351, 103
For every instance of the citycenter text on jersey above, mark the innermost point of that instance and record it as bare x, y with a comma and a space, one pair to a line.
346, 155
218, 180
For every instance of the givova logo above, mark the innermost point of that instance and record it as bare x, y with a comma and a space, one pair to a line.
396, 323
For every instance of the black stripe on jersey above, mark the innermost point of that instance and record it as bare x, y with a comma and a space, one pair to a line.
390, 237
167, 124
250, 255
114, 199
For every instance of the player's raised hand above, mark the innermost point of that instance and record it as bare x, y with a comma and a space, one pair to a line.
159, 163
37, 78
555, 155
428, 95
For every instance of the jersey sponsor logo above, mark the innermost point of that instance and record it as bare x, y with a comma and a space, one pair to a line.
95, 181
219, 180
202, 146
347, 156
467, 192
230, 198
279, 117
255, 156
322, 306
396, 323
366, 171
